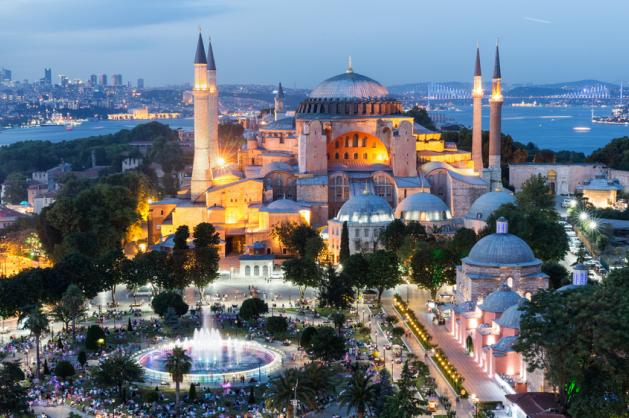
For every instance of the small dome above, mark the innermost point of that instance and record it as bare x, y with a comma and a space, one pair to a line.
500, 300
485, 205
283, 206
501, 249
510, 318
422, 206
365, 208
349, 85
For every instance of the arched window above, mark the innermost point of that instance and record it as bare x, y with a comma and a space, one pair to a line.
364, 143
365, 156
355, 155
336, 144
510, 281
347, 141
346, 156
265, 271
256, 270
355, 140
247, 270
336, 155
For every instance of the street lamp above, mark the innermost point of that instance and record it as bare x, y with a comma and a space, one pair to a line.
583, 216
592, 225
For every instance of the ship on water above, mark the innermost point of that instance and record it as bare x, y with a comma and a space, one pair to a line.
619, 116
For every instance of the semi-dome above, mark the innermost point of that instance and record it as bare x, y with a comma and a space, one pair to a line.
485, 205
349, 85
500, 300
422, 206
365, 208
501, 249
283, 206
510, 318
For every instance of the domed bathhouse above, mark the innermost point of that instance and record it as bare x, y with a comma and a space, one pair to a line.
366, 216
484, 206
499, 258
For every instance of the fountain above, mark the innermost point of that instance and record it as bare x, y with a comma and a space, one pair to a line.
215, 360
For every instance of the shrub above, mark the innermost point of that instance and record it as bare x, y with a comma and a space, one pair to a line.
64, 369
397, 332
327, 345
276, 324
169, 299
82, 358
94, 334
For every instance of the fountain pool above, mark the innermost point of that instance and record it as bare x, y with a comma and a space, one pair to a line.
215, 360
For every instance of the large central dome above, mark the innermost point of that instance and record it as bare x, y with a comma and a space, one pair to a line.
349, 85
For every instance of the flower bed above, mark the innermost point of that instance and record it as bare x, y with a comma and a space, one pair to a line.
453, 377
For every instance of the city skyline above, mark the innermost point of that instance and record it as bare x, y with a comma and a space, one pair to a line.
393, 45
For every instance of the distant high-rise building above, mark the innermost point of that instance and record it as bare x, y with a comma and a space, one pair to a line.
64, 80
93, 80
5, 75
140, 83
102, 80
47, 76
116, 80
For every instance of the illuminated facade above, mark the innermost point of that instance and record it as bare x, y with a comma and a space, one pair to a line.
347, 138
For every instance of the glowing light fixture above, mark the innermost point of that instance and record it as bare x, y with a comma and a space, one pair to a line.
583, 216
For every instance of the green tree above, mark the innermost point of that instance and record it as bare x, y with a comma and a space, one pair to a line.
327, 345
536, 194
307, 334
302, 272
578, 337
116, 371
338, 319
344, 252
383, 271
15, 188
393, 235
336, 290
180, 238
178, 364
557, 274
204, 269
94, 338
165, 300
64, 369
276, 324
82, 358
384, 389
73, 306
288, 386
296, 237
463, 241
252, 308
404, 403
433, 265
37, 323
356, 271
359, 393
13, 396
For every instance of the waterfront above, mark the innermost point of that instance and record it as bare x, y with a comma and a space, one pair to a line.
548, 127
86, 129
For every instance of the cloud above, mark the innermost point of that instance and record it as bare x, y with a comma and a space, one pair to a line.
83, 15
536, 20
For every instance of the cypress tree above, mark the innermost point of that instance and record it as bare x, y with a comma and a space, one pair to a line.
344, 251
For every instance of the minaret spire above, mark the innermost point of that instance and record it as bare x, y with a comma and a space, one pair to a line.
477, 127
497, 63
199, 57
279, 103
495, 124
349, 65
211, 65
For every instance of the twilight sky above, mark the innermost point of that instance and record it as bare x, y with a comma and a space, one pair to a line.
303, 42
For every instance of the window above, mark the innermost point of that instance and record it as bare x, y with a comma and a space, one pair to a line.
510, 281
247, 271
346, 156
265, 270
366, 232
347, 141
365, 156
355, 155
336, 144
355, 140
256, 270
336, 155
364, 144
357, 233
281, 139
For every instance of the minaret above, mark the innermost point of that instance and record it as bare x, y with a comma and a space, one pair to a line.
201, 171
495, 118
215, 157
279, 103
477, 128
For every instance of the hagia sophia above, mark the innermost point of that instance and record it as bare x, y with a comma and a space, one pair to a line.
349, 154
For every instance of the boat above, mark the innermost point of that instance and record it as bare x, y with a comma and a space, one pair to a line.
57, 119
619, 116
582, 129
526, 104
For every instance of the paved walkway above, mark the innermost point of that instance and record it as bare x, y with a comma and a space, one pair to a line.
61, 411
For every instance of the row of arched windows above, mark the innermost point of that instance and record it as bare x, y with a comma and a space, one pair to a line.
256, 271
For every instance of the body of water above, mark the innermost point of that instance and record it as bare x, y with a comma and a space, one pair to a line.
548, 127
86, 129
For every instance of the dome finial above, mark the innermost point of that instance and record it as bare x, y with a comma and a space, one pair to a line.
349, 65
366, 189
